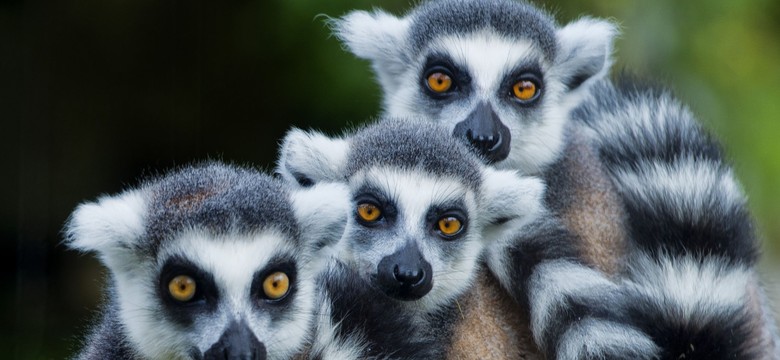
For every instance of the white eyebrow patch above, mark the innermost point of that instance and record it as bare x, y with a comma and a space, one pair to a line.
415, 191
231, 259
488, 56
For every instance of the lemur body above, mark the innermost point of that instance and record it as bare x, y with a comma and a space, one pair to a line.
424, 210
502, 76
207, 262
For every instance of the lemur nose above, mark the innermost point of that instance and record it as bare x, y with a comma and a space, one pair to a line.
405, 274
484, 143
485, 132
408, 277
238, 342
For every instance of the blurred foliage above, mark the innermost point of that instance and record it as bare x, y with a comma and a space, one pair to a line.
95, 94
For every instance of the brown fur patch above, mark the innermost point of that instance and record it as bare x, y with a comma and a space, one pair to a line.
191, 200
595, 212
491, 326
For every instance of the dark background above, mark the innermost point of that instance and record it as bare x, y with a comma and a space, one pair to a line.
94, 94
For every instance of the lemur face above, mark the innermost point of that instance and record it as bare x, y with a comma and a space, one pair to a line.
411, 233
498, 74
206, 295
499, 94
212, 262
422, 204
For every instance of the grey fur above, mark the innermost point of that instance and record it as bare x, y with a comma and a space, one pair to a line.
433, 19
412, 145
216, 197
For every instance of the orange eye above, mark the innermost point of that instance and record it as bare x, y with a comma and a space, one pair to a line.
439, 82
525, 90
449, 225
276, 285
368, 212
182, 288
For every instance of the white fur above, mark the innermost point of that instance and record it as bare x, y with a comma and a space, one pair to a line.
322, 212
641, 116
330, 345
597, 339
690, 185
488, 57
552, 282
371, 35
692, 287
109, 222
585, 48
312, 153
139, 312
376, 36
110, 226
507, 195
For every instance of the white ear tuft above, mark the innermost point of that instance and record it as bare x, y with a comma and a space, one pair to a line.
507, 196
322, 212
586, 50
110, 224
379, 37
372, 36
307, 158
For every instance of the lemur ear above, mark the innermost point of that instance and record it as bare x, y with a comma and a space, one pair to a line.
309, 157
109, 226
508, 197
321, 211
379, 37
585, 51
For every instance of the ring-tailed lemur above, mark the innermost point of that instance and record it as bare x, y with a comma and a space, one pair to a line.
504, 77
207, 262
424, 209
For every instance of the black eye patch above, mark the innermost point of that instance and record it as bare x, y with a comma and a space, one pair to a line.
371, 195
461, 80
454, 209
262, 301
204, 299
527, 71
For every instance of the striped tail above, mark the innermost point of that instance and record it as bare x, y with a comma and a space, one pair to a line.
691, 268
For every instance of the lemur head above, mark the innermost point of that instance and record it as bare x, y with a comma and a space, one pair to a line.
423, 204
211, 261
498, 73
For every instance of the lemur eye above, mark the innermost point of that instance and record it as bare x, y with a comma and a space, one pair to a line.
182, 288
525, 90
368, 212
450, 226
276, 285
439, 82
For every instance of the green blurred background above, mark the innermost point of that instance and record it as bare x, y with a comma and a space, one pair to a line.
94, 94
